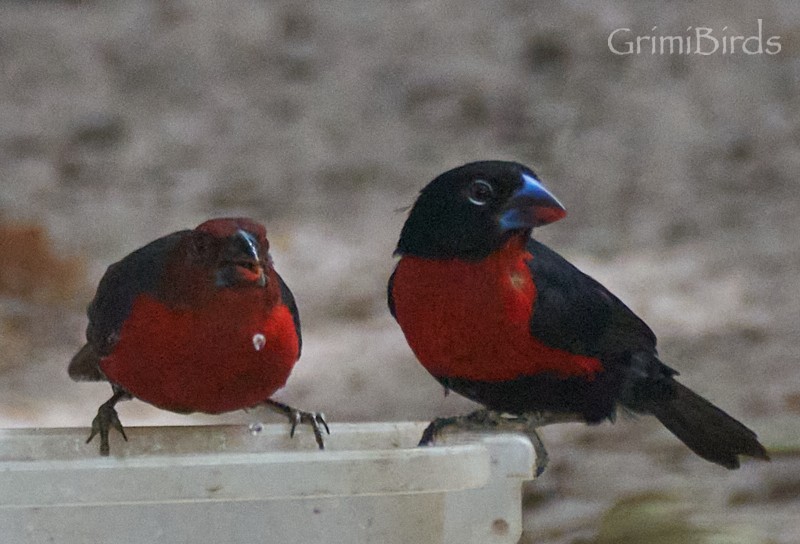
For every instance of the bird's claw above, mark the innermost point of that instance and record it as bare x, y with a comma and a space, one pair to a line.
542, 459
490, 419
317, 422
477, 420
296, 417
432, 430
106, 418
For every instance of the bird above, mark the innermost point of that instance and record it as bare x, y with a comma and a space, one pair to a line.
195, 321
505, 321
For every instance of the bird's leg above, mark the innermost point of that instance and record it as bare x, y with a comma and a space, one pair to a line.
540, 419
482, 420
486, 419
296, 417
542, 458
535, 420
479, 420
107, 417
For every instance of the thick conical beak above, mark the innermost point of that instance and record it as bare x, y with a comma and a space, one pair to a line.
531, 206
245, 256
245, 244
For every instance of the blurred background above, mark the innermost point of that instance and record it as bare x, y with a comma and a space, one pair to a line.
123, 121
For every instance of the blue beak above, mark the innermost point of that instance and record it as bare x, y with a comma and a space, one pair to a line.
531, 206
245, 251
246, 243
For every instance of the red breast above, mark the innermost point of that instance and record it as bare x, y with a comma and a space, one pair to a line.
232, 352
470, 320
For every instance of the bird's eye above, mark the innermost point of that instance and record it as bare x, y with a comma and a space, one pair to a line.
480, 192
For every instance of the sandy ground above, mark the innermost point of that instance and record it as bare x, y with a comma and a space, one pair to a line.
122, 121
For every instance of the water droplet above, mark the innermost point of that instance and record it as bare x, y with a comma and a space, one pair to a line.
259, 341
255, 428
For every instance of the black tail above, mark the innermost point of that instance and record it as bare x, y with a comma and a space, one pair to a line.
708, 431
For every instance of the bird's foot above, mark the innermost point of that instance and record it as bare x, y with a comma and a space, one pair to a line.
479, 420
106, 418
315, 419
434, 428
482, 420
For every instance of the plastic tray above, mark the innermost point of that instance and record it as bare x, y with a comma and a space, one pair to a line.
227, 484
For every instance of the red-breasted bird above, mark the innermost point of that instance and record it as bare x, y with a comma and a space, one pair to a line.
507, 322
196, 321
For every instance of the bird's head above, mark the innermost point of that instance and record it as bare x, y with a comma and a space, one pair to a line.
236, 250
472, 210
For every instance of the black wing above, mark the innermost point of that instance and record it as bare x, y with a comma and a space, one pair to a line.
575, 313
123, 281
288, 298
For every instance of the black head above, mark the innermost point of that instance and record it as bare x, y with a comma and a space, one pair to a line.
472, 210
